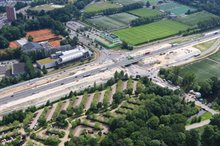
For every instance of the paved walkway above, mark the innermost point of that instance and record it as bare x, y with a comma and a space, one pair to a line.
125, 85
78, 101
101, 96
65, 105
66, 137
36, 119
89, 101
50, 115
134, 87
112, 93
197, 125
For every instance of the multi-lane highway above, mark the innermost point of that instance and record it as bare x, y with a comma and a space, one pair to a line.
71, 78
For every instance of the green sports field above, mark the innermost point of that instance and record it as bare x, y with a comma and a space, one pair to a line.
150, 32
206, 68
144, 12
99, 6
175, 8
106, 23
195, 18
112, 22
126, 2
123, 17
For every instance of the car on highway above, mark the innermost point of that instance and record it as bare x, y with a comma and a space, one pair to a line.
146, 53
86, 75
103, 69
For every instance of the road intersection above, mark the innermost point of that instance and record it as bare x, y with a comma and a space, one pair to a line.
119, 60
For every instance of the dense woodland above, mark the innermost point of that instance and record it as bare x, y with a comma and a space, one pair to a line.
209, 89
159, 121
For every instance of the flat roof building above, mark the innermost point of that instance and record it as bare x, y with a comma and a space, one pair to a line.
11, 13
108, 40
17, 69
47, 63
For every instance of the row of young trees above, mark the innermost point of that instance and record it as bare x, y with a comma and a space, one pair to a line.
159, 121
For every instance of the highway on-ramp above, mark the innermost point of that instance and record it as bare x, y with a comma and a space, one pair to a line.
120, 63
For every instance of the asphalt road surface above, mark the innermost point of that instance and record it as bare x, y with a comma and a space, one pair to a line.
121, 63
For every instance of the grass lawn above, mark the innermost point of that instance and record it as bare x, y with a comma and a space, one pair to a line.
216, 56
150, 32
144, 12
99, 6
123, 17
196, 18
203, 70
206, 45
206, 116
46, 7
175, 8
106, 23
126, 2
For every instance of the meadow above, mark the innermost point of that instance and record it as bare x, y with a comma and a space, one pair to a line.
144, 12
150, 32
99, 6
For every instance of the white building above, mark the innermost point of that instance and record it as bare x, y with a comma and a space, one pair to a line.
74, 54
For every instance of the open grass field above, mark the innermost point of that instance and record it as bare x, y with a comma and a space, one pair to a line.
46, 7
106, 23
99, 6
195, 18
206, 45
175, 8
123, 17
150, 32
206, 116
144, 12
125, 2
204, 69
216, 57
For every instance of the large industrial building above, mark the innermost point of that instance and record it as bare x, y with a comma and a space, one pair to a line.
108, 40
11, 13
62, 57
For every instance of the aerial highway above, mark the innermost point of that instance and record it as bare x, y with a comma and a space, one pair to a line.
124, 62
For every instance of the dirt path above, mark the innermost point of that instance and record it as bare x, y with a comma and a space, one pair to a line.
65, 105
134, 87
101, 97
34, 122
66, 137
78, 101
125, 85
50, 115
77, 131
112, 93
89, 101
